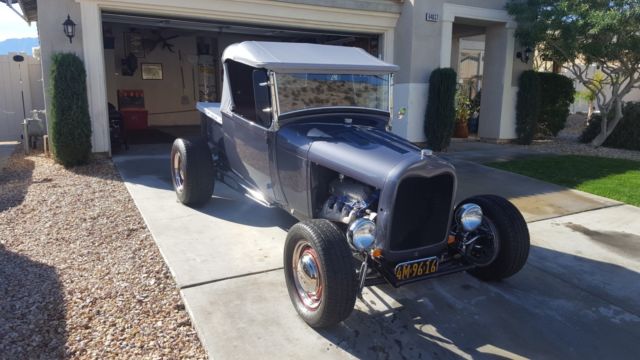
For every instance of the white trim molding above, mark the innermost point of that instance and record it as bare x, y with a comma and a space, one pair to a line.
93, 52
263, 12
451, 11
446, 41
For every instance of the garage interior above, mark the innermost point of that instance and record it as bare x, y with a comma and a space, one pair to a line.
158, 68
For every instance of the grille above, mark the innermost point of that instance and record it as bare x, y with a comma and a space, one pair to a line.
421, 212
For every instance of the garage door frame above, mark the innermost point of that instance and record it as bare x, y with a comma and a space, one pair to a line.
257, 12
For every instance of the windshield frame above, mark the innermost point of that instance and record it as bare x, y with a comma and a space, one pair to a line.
276, 97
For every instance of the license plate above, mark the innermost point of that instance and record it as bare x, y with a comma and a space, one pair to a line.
416, 268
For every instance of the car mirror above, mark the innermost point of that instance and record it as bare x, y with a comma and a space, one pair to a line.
262, 97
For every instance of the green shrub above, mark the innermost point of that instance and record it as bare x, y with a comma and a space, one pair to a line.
625, 136
70, 123
557, 93
528, 106
441, 110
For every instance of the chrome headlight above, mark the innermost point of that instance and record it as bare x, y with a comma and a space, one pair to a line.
469, 216
362, 234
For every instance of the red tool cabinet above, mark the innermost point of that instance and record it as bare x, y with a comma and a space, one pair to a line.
131, 105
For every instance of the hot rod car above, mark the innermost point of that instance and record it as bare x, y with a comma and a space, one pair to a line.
305, 128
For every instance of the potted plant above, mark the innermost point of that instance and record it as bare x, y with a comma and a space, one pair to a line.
463, 112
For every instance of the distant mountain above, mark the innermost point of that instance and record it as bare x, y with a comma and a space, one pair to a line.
18, 45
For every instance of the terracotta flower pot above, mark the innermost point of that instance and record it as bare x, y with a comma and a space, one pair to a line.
461, 130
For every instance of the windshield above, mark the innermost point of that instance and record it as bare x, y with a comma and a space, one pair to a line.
307, 91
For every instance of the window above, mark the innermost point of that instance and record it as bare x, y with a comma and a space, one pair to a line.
306, 91
250, 92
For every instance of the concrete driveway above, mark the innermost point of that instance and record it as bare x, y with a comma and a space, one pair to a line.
577, 297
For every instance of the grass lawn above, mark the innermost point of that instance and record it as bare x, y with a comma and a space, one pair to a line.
613, 178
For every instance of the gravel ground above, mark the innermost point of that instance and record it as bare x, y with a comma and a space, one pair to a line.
567, 143
80, 275
571, 147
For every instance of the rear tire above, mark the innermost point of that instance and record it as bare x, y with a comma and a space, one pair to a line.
192, 171
513, 236
329, 297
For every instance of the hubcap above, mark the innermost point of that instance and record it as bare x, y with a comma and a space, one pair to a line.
178, 171
307, 275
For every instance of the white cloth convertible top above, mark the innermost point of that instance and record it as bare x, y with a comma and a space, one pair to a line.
310, 58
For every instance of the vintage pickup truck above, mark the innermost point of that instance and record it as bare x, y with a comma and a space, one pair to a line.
305, 128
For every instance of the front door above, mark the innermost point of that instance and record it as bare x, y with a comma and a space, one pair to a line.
246, 128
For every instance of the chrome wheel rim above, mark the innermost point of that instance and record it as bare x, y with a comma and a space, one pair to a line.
307, 275
178, 171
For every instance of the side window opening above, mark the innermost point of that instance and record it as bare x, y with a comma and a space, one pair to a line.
251, 99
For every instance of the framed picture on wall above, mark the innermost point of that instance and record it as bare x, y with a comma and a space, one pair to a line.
151, 71
133, 44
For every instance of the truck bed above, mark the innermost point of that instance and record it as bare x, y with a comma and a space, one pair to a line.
210, 109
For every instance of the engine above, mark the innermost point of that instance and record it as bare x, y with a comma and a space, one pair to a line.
348, 200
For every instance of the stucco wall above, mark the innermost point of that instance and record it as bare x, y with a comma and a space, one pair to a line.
51, 15
418, 44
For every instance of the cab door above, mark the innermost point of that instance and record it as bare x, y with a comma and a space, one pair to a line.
247, 138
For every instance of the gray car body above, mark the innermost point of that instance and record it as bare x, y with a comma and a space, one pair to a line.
277, 162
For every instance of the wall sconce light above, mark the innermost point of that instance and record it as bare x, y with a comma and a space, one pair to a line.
69, 28
525, 55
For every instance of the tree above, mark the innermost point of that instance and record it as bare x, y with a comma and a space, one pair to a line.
577, 33
70, 123
589, 95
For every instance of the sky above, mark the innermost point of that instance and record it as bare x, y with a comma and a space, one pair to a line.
12, 26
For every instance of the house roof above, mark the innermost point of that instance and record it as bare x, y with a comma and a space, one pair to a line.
300, 57
29, 8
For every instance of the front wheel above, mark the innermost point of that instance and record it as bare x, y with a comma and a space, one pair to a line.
511, 234
319, 272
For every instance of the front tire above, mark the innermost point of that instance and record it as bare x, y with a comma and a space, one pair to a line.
319, 273
192, 171
513, 236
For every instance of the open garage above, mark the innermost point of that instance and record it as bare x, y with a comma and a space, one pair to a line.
157, 68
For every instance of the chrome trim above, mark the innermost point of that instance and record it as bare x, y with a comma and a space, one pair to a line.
178, 171
370, 238
470, 209
391, 86
335, 107
275, 104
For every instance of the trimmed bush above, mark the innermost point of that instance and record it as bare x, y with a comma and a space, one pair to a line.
557, 93
70, 123
625, 136
528, 106
592, 130
441, 110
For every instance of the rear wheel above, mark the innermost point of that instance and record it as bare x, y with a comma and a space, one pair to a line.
319, 273
512, 237
192, 171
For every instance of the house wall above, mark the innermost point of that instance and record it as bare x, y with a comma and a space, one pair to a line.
430, 45
409, 40
51, 15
